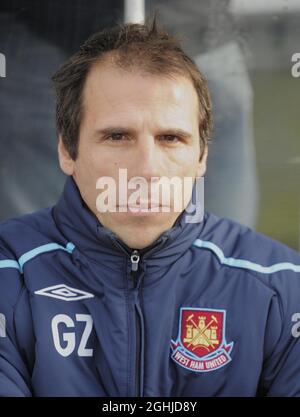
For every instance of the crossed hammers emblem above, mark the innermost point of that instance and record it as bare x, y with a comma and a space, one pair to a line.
201, 332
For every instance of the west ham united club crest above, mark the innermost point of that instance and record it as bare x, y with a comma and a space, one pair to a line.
201, 344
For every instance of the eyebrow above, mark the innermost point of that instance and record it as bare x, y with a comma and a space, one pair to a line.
163, 131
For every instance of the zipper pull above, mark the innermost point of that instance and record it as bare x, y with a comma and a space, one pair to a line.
135, 258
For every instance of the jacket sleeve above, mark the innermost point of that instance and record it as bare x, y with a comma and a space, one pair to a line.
281, 370
14, 375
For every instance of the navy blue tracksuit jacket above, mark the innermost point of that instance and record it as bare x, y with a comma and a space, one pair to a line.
209, 309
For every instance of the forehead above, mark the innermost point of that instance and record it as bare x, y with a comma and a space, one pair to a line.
111, 92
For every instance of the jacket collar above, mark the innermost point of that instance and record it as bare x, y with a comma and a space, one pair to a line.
81, 227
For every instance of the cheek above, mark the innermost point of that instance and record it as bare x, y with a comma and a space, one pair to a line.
187, 162
92, 164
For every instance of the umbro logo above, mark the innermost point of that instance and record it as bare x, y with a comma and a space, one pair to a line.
63, 292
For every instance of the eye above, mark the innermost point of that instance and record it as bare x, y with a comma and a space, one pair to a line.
116, 137
169, 138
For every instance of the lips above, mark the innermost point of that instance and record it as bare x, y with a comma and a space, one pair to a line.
143, 208
145, 205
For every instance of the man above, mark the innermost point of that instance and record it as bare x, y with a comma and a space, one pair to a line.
141, 301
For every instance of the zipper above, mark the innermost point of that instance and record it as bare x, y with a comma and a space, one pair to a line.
135, 259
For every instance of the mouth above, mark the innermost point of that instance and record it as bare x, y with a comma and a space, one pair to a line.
143, 209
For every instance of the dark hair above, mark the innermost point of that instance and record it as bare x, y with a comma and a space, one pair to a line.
130, 46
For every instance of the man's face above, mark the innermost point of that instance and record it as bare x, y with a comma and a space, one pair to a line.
146, 124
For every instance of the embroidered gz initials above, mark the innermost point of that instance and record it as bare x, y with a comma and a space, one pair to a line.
61, 320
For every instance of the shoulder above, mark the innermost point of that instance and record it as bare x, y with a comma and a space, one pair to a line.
24, 233
238, 247
23, 238
231, 242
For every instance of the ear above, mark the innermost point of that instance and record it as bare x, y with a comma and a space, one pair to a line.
65, 161
202, 163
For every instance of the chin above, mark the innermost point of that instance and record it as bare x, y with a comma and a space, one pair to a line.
140, 232
139, 237
140, 242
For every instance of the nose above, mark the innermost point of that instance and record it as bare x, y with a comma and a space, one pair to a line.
148, 158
